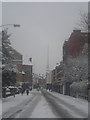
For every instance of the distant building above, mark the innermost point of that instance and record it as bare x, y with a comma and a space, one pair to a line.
27, 76
35, 80
41, 81
49, 80
38, 81
57, 78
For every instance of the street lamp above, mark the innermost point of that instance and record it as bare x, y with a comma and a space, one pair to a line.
14, 25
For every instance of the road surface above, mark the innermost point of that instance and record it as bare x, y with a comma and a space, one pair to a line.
42, 104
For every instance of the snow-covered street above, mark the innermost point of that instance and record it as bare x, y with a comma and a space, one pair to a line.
0, 108
44, 60
44, 104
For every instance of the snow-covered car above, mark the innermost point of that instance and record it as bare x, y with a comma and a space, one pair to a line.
6, 92
14, 89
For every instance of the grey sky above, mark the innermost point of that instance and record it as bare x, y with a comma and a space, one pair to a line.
42, 25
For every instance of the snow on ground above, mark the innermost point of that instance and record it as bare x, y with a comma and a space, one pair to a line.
80, 104
42, 110
0, 109
10, 102
38, 108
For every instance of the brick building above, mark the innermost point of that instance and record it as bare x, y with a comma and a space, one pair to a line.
17, 60
73, 49
27, 76
74, 46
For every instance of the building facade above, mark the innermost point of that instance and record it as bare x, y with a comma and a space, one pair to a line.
27, 76
17, 60
49, 80
57, 78
74, 46
73, 49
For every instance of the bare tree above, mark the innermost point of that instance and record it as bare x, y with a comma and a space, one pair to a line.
84, 23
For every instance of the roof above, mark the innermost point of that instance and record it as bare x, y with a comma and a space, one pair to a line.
16, 51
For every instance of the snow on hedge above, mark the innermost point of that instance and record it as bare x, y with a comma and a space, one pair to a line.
76, 71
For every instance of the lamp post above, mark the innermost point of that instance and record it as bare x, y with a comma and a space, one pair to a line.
5, 25
14, 25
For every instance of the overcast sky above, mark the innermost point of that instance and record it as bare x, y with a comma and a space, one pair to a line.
42, 25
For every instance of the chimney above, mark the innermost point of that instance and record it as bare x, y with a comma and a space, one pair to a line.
77, 31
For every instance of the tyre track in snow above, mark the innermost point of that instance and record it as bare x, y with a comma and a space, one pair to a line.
27, 111
61, 108
12, 112
59, 111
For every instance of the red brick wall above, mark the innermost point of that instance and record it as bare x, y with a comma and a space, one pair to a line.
76, 43
17, 60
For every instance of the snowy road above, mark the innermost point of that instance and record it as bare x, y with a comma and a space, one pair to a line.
47, 105
35, 106
65, 109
